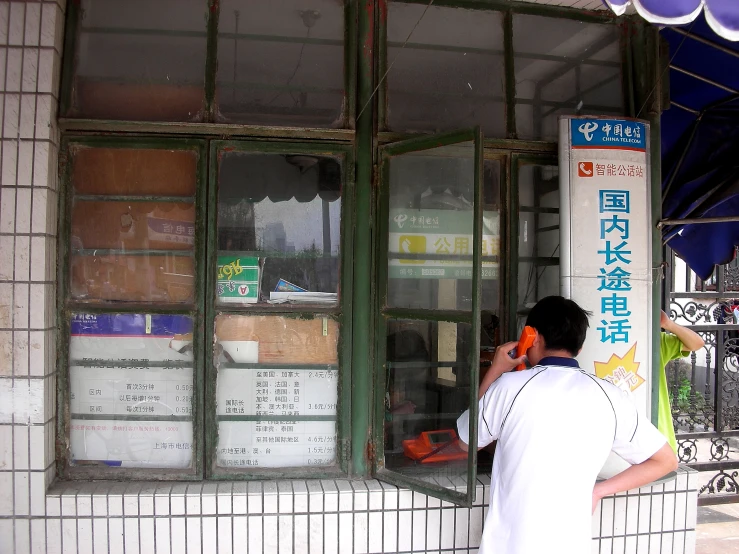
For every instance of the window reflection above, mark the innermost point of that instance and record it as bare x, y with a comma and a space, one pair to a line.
538, 236
140, 60
281, 62
563, 67
449, 73
430, 241
279, 216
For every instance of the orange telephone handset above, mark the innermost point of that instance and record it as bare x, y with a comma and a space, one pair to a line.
434, 446
524, 343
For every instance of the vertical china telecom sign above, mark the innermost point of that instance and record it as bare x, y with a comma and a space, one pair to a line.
606, 245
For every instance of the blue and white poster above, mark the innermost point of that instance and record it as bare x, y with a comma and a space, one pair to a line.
606, 245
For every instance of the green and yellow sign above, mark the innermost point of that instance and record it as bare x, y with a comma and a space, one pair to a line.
238, 280
439, 244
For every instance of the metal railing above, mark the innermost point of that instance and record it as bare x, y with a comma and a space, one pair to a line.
704, 388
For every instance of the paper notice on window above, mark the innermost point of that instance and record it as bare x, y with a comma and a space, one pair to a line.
144, 444
250, 444
249, 399
131, 390
266, 392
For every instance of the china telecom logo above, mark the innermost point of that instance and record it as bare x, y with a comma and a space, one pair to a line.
587, 129
400, 220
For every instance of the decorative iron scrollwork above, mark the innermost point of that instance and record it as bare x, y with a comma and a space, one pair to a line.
687, 450
719, 449
722, 482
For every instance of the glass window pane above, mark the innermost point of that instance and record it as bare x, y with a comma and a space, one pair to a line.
450, 73
563, 67
131, 390
430, 229
281, 62
140, 60
428, 388
124, 247
277, 392
538, 236
278, 228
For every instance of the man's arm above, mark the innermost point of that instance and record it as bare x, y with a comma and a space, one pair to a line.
501, 363
691, 341
659, 464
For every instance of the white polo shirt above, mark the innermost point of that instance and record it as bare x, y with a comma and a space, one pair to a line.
555, 425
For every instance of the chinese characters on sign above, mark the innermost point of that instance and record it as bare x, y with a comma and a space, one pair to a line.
167, 230
276, 417
604, 174
614, 209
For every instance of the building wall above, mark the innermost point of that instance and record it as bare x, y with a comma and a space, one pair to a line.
30, 51
40, 516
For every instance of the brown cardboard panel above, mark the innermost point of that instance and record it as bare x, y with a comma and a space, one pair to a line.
133, 225
134, 171
132, 278
283, 340
138, 102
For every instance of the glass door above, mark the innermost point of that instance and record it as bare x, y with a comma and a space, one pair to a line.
430, 275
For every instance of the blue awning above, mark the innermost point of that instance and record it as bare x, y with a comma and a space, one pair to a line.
700, 145
722, 15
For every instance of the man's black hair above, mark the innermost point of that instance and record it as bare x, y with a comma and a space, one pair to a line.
561, 322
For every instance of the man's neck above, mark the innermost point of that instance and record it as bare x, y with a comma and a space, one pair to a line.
557, 354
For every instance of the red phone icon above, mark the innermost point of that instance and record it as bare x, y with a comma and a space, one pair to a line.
585, 169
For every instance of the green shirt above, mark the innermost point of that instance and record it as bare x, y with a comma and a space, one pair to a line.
670, 348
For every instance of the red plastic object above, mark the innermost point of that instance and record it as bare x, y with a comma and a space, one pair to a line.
524, 343
444, 442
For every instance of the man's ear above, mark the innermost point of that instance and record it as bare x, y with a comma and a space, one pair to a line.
538, 340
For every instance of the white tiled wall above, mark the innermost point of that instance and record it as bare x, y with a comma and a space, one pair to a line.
30, 54
143, 518
330, 516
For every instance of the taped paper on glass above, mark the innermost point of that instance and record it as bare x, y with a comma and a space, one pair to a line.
131, 381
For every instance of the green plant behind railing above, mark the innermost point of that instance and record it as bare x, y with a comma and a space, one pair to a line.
687, 400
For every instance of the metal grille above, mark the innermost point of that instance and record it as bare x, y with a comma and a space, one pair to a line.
704, 390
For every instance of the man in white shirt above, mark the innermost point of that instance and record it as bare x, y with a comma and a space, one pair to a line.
555, 425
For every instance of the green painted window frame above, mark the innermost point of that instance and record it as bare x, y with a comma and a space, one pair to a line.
204, 310
342, 313
66, 306
508, 9
365, 69
71, 39
383, 312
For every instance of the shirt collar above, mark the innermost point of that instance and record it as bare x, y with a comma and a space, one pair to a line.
557, 360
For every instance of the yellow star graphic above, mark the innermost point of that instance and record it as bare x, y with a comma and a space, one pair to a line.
621, 371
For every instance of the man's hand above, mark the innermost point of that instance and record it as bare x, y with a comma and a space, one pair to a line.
596, 499
664, 321
691, 340
502, 363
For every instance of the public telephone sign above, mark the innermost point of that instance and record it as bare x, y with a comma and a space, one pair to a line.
606, 245
437, 244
